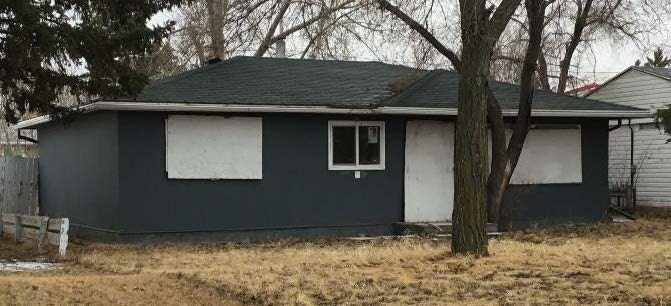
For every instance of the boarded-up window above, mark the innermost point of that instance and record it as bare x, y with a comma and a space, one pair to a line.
550, 156
213, 147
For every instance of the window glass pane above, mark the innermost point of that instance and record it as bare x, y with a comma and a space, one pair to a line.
344, 145
369, 145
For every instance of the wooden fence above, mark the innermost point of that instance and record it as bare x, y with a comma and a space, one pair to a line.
18, 185
40, 229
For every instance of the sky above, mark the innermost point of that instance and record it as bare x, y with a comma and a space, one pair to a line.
611, 59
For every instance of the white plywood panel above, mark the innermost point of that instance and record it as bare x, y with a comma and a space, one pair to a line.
213, 147
550, 156
429, 171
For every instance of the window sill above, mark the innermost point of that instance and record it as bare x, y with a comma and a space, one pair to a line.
356, 168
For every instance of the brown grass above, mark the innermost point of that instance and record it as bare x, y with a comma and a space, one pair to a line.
626, 263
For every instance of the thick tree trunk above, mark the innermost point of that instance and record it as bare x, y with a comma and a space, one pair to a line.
470, 153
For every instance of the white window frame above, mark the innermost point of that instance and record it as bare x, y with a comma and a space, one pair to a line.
356, 124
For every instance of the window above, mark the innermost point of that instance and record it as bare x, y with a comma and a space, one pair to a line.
213, 147
356, 145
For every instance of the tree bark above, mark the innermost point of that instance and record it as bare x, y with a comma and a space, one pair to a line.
470, 152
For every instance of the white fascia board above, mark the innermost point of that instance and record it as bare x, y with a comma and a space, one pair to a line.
386, 110
583, 113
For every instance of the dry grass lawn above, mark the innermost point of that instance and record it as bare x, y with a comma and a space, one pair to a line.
627, 263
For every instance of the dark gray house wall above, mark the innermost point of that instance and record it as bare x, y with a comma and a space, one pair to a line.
553, 204
79, 171
297, 189
106, 172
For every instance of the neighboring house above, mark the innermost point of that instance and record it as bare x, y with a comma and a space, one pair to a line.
10, 144
647, 88
255, 147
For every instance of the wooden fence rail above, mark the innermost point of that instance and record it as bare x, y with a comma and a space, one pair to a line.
38, 228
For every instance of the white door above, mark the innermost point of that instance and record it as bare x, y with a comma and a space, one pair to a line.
429, 171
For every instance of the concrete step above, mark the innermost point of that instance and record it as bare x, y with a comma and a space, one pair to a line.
431, 228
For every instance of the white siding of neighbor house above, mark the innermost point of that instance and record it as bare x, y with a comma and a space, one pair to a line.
652, 155
635, 88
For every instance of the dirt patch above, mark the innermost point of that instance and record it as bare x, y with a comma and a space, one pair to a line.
24, 251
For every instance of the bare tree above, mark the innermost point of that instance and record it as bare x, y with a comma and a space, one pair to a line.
571, 29
223, 28
481, 28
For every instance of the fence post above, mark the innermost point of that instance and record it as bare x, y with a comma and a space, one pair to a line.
43, 232
63, 241
17, 227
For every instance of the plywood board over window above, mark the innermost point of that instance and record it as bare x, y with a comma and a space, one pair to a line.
550, 156
213, 147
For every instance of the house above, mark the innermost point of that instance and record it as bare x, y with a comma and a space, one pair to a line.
257, 147
647, 88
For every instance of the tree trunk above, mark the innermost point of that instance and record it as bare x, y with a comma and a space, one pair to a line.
576, 38
216, 12
470, 153
496, 175
543, 78
505, 160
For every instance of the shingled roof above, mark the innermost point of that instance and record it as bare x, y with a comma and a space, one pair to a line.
281, 81
345, 84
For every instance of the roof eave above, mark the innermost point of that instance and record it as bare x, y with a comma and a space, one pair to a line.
388, 110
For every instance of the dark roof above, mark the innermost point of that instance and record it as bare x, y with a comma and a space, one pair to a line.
274, 81
269, 81
658, 71
439, 89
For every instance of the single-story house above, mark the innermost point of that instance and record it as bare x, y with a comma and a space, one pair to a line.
257, 147
647, 88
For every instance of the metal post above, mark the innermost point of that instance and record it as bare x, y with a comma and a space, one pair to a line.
632, 167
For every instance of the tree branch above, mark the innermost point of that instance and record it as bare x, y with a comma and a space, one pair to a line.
501, 17
309, 22
576, 38
451, 55
265, 44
